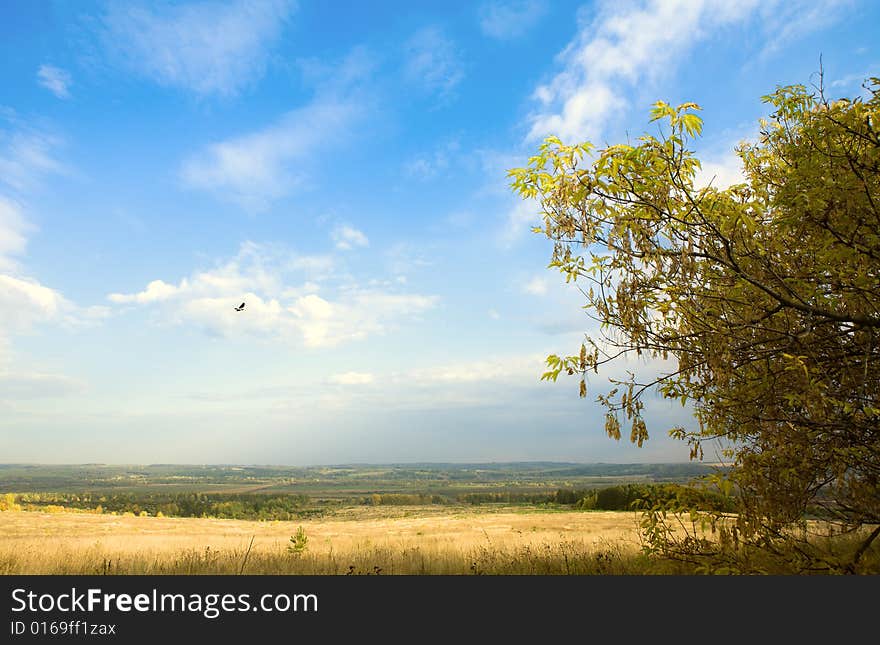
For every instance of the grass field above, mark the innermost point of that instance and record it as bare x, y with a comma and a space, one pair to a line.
398, 540
466, 519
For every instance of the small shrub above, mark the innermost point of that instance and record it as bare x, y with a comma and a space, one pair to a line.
299, 542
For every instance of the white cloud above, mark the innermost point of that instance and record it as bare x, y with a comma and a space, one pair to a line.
256, 169
157, 290
254, 268
523, 215
314, 265
352, 378
433, 163
12, 233
720, 172
55, 80
856, 80
536, 286
622, 45
276, 307
582, 113
720, 165
25, 301
788, 21
433, 61
26, 157
260, 167
205, 47
354, 315
510, 19
346, 238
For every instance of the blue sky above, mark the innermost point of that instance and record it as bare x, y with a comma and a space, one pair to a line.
341, 168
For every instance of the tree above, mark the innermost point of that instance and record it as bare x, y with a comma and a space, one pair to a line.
763, 296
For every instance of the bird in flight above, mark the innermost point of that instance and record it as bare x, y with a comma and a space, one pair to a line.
239, 307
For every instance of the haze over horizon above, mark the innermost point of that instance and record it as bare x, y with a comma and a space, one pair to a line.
354, 463
346, 179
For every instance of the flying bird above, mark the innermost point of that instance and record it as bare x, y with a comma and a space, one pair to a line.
239, 307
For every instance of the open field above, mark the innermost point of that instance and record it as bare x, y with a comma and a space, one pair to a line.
356, 518
359, 540
356, 540
538, 518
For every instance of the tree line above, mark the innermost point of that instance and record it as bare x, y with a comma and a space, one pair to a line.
284, 507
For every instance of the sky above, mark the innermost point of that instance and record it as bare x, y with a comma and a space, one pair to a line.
340, 167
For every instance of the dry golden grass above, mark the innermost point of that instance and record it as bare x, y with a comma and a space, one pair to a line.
360, 540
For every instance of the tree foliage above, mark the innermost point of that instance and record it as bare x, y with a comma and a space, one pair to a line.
763, 296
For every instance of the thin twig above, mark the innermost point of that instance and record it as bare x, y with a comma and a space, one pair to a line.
247, 553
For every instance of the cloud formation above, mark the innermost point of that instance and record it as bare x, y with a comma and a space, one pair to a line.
508, 20
720, 172
433, 62
621, 45
209, 48
523, 214
536, 286
347, 238
12, 233
279, 304
27, 156
258, 168
434, 162
55, 80
24, 302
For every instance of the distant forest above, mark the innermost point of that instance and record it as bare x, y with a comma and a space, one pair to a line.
204, 478
281, 493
